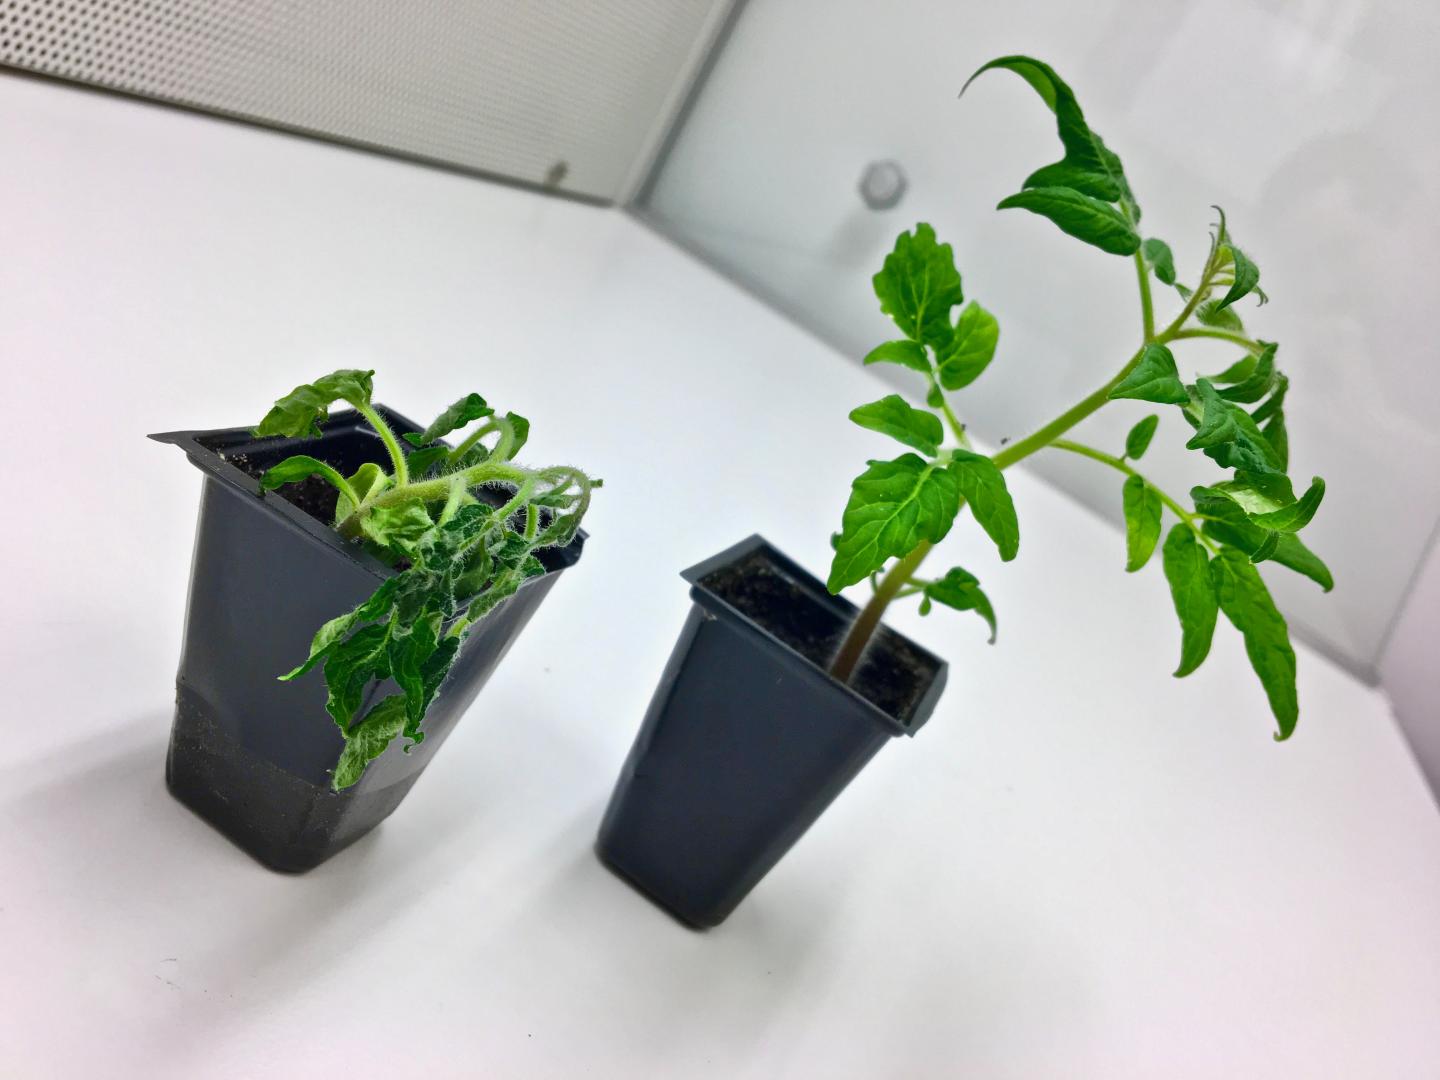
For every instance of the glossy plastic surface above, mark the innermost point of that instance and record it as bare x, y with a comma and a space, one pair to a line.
745, 744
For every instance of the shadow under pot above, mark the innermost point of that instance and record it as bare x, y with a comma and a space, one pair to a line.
251, 755
748, 737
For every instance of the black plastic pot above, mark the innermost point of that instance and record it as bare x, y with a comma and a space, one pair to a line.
253, 755
748, 738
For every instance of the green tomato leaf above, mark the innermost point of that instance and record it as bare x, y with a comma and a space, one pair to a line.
1211, 314
1291, 553
1142, 521
1228, 435
521, 429
1278, 438
1275, 402
298, 414
1187, 569
376, 607
350, 666
1082, 216
1247, 604
1257, 382
983, 486
1247, 277
910, 354
1237, 372
398, 526
1157, 255
1154, 378
1295, 516
970, 349
368, 740
1089, 166
297, 468
918, 285
469, 408
1138, 441
420, 462
892, 415
1065, 174
960, 590
366, 482
893, 506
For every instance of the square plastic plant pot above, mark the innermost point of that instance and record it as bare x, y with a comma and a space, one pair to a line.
748, 737
250, 754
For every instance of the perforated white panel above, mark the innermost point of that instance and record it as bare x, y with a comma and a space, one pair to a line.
568, 94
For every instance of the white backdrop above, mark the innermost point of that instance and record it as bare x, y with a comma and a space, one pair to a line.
1311, 123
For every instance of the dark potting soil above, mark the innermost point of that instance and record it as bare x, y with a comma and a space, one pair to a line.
891, 674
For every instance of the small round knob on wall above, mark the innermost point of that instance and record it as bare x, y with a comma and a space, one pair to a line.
882, 184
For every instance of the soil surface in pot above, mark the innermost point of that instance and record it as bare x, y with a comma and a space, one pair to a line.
891, 674
315, 495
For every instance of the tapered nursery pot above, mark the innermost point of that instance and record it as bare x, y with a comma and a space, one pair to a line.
253, 755
749, 738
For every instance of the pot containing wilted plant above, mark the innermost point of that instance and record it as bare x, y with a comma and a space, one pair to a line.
348, 603
779, 690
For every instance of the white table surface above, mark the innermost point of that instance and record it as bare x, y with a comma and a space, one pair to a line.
1081, 867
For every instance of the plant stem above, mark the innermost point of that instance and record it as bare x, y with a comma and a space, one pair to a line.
869, 618
1125, 467
392, 445
955, 426
1065, 421
1147, 305
1222, 335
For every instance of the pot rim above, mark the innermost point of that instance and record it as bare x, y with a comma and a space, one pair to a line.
722, 608
205, 449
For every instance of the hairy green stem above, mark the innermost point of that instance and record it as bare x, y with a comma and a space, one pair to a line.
392, 445
869, 618
1220, 335
1129, 470
1147, 305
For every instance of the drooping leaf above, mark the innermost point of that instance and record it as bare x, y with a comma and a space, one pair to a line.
1291, 552
1138, 440
906, 353
408, 653
468, 409
1296, 515
298, 414
1082, 216
297, 468
1228, 522
1158, 256
1142, 521
350, 666
368, 740
1187, 569
1248, 605
971, 348
1089, 166
1279, 439
521, 431
1275, 402
1246, 278
1154, 378
918, 285
961, 590
1257, 383
892, 415
893, 506
376, 607
397, 526
1239, 371
1227, 435
982, 485
368, 481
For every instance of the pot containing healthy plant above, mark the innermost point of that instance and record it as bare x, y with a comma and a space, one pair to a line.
349, 600
779, 691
